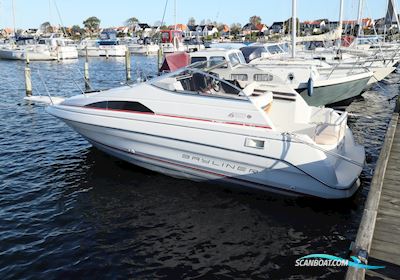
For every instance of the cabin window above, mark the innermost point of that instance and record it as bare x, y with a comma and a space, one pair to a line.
274, 49
215, 60
262, 77
197, 59
99, 105
120, 105
234, 59
165, 36
239, 77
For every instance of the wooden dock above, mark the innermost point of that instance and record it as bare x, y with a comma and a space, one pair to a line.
379, 231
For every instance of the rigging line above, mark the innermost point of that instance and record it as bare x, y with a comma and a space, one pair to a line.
165, 10
59, 17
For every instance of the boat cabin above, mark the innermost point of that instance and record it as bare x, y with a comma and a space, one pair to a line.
232, 56
167, 36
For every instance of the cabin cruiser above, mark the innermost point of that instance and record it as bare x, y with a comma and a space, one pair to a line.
194, 125
322, 58
141, 46
60, 47
143, 49
108, 45
26, 48
172, 41
317, 86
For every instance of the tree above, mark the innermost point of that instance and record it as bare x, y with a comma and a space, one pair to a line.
191, 21
76, 31
220, 27
236, 28
92, 24
45, 27
131, 23
255, 20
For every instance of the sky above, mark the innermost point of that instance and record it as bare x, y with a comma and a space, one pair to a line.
32, 13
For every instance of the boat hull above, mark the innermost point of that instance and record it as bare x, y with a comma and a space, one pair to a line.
324, 95
176, 157
22, 55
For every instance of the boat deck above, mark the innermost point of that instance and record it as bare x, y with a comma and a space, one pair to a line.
379, 231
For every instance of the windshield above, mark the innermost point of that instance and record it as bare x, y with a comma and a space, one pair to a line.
199, 78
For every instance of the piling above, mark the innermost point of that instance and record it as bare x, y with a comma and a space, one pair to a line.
128, 65
159, 59
86, 71
28, 79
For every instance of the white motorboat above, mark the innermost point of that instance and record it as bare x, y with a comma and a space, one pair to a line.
60, 47
317, 86
171, 41
143, 49
191, 124
107, 46
321, 58
33, 52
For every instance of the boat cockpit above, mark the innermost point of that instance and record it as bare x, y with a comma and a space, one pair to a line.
199, 78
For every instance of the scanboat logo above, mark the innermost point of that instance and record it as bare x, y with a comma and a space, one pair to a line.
329, 260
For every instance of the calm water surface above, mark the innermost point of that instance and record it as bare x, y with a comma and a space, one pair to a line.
68, 210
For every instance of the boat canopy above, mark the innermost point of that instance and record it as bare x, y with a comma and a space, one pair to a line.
252, 52
174, 61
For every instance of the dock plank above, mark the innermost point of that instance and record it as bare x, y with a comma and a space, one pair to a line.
379, 230
385, 251
385, 244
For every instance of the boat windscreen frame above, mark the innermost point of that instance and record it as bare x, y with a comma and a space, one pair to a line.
202, 67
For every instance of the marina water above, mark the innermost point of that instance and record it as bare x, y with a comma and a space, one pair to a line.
68, 210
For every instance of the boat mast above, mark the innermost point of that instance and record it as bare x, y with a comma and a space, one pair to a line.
294, 28
394, 5
359, 19
340, 22
341, 16
175, 13
13, 13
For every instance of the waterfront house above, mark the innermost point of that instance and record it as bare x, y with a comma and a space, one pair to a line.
313, 26
277, 27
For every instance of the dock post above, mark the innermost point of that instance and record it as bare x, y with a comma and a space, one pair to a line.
86, 71
128, 65
28, 79
159, 59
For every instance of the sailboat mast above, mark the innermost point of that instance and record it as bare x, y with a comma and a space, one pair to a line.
13, 13
394, 5
341, 15
359, 18
175, 13
294, 28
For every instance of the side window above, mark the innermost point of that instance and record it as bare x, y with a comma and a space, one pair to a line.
216, 60
128, 106
239, 77
199, 58
120, 105
234, 59
99, 105
262, 77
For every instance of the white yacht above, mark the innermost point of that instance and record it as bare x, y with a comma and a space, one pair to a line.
322, 58
317, 86
108, 45
32, 52
143, 49
60, 47
191, 124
